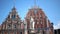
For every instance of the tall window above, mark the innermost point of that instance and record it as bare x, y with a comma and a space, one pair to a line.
13, 16
20, 32
44, 32
9, 26
15, 26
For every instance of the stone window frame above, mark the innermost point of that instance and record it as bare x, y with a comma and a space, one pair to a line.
9, 26
15, 26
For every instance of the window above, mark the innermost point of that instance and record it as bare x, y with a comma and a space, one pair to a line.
13, 16
20, 32
9, 26
44, 32
14, 25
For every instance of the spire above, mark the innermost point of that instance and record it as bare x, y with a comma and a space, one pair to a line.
14, 5
35, 4
14, 9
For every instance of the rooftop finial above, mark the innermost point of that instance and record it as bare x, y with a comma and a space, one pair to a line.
35, 4
14, 9
14, 5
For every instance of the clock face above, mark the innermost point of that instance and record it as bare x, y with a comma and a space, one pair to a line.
35, 11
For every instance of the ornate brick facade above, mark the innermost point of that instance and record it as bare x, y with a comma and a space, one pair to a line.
12, 24
36, 22
39, 20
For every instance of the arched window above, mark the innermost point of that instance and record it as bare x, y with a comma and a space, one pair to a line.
9, 26
13, 16
20, 32
15, 26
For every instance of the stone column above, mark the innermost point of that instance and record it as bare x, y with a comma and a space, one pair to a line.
47, 25
25, 27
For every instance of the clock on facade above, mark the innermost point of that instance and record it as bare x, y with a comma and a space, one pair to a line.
35, 11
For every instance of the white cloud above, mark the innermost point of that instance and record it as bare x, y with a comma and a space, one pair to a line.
57, 26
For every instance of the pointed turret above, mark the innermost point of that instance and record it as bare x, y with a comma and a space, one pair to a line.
35, 5
13, 14
14, 9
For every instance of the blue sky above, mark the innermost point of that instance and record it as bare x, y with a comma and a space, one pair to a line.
50, 7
